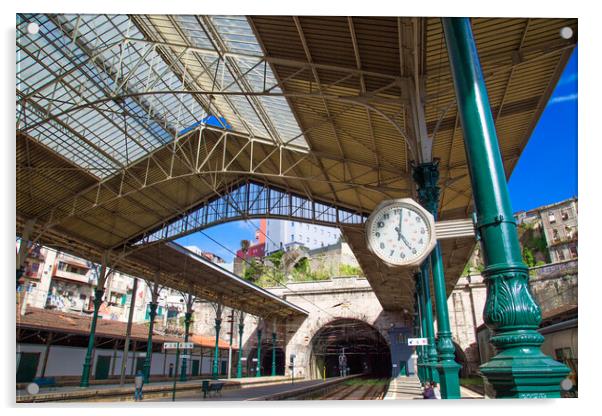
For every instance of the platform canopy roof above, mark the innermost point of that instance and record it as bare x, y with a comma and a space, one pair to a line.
128, 123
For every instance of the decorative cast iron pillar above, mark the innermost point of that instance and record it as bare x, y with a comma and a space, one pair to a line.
519, 369
85, 380
241, 327
215, 374
258, 372
273, 353
149, 342
419, 325
430, 360
426, 176
187, 321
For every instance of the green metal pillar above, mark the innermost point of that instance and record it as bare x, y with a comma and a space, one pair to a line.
420, 328
85, 380
431, 349
519, 369
149, 341
241, 327
258, 372
187, 320
215, 374
273, 354
426, 176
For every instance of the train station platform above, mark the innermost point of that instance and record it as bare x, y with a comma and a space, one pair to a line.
404, 388
409, 388
153, 390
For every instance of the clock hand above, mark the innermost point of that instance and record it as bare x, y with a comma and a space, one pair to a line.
406, 242
399, 236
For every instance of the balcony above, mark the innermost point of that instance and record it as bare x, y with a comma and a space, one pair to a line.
74, 277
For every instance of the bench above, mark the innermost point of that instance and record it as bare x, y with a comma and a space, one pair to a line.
209, 388
45, 381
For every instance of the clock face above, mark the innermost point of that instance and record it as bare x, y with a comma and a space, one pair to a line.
400, 233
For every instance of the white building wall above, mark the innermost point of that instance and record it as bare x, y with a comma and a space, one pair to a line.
69, 361
310, 235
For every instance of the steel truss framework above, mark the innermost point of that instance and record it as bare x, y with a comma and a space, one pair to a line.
247, 201
153, 116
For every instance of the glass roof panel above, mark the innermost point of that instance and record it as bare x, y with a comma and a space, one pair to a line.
99, 64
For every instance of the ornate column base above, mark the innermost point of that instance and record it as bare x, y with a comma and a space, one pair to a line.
524, 372
449, 379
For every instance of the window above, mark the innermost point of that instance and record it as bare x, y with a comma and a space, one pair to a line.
292, 223
307, 239
573, 251
560, 255
565, 215
563, 354
555, 235
551, 217
82, 296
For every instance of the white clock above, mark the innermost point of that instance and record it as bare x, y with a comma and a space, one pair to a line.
401, 232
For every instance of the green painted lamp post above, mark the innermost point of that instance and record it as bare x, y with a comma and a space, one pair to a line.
519, 369
430, 360
85, 380
215, 374
273, 354
187, 320
426, 176
149, 342
241, 327
258, 372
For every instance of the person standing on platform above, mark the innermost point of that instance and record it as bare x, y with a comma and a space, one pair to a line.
436, 391
138, 383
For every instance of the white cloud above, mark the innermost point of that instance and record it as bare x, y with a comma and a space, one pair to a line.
563, 98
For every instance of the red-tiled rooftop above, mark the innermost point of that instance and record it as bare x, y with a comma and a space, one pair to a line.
72, 323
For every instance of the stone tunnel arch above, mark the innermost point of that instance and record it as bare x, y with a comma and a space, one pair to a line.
365, 348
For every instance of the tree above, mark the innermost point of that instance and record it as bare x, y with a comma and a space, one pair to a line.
244, 247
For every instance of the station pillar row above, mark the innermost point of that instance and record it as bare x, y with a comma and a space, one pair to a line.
426, 176
519, 369
430, 350
418, 329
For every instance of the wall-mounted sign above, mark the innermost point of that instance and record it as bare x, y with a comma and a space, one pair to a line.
174, 345
417, 341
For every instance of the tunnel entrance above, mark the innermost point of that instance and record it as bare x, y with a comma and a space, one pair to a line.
364, 348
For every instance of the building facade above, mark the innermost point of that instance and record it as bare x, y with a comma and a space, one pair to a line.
280, 234
559, 224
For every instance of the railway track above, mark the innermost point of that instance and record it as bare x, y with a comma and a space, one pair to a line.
360, 389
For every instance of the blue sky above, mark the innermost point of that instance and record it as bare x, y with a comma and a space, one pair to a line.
547, 169
545, 173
